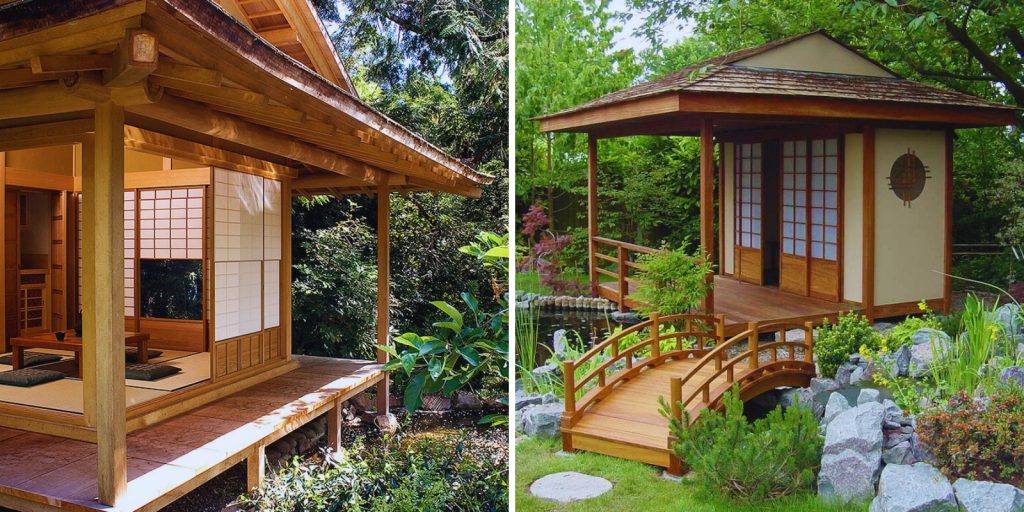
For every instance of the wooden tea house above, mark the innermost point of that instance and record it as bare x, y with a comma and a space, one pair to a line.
833, 186
149, 153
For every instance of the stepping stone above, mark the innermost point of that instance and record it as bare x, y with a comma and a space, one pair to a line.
569, 486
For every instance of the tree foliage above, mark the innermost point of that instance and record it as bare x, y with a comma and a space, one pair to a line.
440, 69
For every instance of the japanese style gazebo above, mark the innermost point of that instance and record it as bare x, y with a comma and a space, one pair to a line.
834, 178
136, 133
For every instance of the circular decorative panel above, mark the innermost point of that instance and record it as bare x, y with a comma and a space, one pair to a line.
907, 177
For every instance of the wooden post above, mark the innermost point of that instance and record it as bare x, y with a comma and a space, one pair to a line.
809, 341
286, 268
623, 284
255, 467
677, 396
569, 383
947, 260
3, 256
383, 286
868, 283
752, 343
334, 426
103, 265
592, 211
655, 336
707, 204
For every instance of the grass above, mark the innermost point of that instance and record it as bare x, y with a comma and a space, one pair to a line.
636, 486
529, 282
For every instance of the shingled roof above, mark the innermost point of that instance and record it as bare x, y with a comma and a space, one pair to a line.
725, 74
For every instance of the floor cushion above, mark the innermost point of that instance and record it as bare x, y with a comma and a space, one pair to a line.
149, 371
131, 354
32, 359
28, 377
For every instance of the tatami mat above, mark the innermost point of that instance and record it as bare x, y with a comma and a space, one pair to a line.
66, 395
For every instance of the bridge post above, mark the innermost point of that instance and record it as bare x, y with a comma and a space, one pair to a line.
677, 397
752, 344
809, 341
655, 336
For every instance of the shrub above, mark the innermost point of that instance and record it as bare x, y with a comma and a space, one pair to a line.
671, 282
973, 359
901, 333
835, 342
447, 472
772, 457
979, 441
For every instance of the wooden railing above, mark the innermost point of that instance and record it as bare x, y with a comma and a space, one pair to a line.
743, 366
619, 259
694, 337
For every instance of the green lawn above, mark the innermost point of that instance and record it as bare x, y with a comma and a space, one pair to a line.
637, 487
529, 282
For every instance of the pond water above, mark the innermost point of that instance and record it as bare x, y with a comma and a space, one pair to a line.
587, 326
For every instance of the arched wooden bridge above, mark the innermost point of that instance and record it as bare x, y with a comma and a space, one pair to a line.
612, 391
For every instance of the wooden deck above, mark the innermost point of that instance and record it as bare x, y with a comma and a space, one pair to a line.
621, 415
167, 460
742, 303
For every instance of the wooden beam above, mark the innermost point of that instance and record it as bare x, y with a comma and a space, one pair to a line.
255, 467
43, 64
89, 32
21, 77
868, 272
135, 58
707, 204
592, 211
286, 267
383, 288
720, 260
40, 100
185, 74
329, 181
280, 36
194, 117
3, 235
103, 261
165, 145
48, 134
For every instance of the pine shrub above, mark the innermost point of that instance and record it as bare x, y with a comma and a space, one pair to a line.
770, 458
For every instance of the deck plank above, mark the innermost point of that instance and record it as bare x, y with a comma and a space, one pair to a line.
180, 453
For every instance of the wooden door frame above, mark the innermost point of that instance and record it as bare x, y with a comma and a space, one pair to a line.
737, 248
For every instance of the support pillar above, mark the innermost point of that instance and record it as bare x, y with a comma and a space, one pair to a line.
383, 287
103, 297
707, 204
868, 273
592, 212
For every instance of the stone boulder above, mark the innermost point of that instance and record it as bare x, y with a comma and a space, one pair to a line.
1012, 375
799, 396
913, 488
882, 327
541, 419
921, 353
902, 359
465, 400
847, 476
988, 496
821, 390
837, 404
869, 395
858, 429
1009, 316
852, 454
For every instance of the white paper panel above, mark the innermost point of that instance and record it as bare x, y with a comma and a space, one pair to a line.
271, 294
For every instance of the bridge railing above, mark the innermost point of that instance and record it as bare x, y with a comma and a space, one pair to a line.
736, 364
615, 259
631, 350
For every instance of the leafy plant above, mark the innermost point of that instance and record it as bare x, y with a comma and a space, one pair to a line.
901, 333
468, 348
528, 347
770, 458
671, 281
978, 440
970, 363
835, 342
446, 472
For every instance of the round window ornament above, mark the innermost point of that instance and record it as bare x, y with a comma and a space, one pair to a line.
907, 177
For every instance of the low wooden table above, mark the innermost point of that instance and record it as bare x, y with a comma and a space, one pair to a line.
72, 343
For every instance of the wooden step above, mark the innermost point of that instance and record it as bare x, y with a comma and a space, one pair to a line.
620, 449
